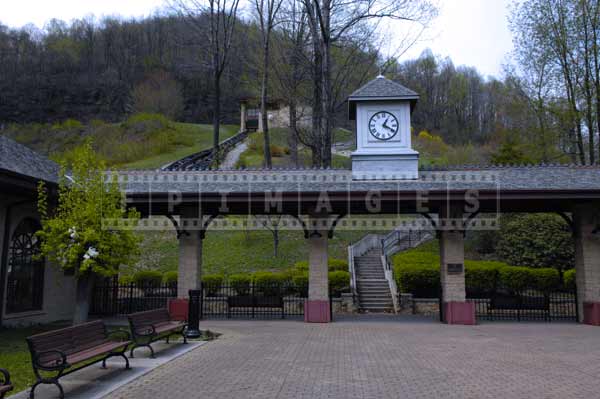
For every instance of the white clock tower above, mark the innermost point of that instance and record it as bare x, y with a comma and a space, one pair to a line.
382, 110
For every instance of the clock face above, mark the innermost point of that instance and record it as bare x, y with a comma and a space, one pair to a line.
383, 125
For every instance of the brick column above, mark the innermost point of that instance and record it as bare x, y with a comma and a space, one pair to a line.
190, 263
456, 309
316, 308
587, 263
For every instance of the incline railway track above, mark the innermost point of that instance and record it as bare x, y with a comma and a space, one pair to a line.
204, 159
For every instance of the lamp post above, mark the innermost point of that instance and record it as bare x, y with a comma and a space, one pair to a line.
193, 329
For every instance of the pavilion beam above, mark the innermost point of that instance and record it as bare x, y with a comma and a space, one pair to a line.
587, 263
455, 308
317, 308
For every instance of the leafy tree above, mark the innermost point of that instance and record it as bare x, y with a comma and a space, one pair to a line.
73, 235
159, 93
509, 153
542, 240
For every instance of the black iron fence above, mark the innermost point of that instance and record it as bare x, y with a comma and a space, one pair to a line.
246, 300
110, 298
526, 305
253, 301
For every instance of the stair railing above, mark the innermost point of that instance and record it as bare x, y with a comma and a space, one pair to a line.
359, 248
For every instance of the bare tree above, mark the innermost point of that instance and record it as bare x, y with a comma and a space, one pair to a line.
332, 21
222, 19
267, 12
271, 223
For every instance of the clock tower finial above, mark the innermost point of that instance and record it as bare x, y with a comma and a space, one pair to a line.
382, 110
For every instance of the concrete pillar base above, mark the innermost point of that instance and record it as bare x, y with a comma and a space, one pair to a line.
179, 309
317, 312
591, 313
459, 313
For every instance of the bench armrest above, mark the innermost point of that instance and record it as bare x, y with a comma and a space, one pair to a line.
5, 377
57, 360
145, 331
122, 334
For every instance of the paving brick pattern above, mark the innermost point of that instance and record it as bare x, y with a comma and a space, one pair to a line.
382, 358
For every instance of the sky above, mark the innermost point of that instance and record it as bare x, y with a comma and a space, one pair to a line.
471, 32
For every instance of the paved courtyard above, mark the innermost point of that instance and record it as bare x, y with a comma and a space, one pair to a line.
381, 358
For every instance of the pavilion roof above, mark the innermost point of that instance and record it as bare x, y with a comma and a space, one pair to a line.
18, 159
504, 178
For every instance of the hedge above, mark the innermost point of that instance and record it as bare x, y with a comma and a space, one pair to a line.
300, 282
417, 272
212, 283
271, 284
240, 283
170, 277
148, 277
339, 281
569, 278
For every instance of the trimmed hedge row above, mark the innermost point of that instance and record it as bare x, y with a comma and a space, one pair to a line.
334, 265
418, 272
269, 283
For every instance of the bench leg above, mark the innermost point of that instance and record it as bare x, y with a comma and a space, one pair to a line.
54, 382
140, 346
122, 354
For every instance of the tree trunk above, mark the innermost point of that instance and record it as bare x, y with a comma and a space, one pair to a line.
83, 297
293, 134
326, 121
263, 104
216, 118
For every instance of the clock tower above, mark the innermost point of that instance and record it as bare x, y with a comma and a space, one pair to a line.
382, 110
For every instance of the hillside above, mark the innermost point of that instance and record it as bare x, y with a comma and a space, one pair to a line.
143, 141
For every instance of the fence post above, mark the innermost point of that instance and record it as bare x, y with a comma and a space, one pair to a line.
193, 328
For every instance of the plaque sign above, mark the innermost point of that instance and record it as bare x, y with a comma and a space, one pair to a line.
455, 268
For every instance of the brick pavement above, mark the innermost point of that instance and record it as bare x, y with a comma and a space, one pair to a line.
381, 358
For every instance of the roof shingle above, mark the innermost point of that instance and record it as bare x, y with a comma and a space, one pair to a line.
17, 158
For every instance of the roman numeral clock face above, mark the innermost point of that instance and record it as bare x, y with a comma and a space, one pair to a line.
383, 126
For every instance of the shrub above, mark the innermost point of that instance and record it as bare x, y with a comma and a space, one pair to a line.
300, 281
481, 276
417, 271
148, 277
542, 240
516, 278
419, 280
276, 151
270, 284
338, 265
125, 280
546, 279
339, 281
240, 283
170, 277
212, 283
569, 279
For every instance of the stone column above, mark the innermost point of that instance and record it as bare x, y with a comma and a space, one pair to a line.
456, 309
587, 263
242, 116
190, 263
316, 308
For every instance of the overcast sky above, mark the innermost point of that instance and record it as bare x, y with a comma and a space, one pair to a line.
471, 32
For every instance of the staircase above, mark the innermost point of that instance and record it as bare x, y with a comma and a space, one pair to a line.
373, 289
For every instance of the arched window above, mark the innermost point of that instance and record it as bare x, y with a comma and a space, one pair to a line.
25, 283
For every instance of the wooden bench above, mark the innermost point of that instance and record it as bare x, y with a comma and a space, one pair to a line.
254, 302
5, 385
153, 325
59, 352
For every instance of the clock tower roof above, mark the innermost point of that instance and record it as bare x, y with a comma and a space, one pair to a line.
381, 89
